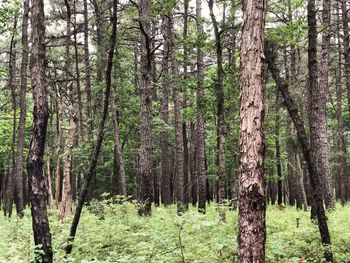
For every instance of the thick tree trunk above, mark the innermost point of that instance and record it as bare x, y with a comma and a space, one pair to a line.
300, 173
165, 157
100, 135
201, 173
252, 196
146, 194
318, 103
37, 180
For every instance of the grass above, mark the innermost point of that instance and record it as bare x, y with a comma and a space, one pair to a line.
114, 233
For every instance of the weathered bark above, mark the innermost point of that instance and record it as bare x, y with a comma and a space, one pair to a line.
318, 102
23, 112
165, 157
201, 173
252, 196
315, 177
37, 179
118, 148
220, 98
100, 134
146, 194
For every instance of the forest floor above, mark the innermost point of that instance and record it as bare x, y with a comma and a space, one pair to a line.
114, 233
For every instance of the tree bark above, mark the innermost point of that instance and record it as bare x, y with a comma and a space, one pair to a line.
318, 104
37, 180
201, 173
252, 196
145, 109
165, 156
23, 112
118, 152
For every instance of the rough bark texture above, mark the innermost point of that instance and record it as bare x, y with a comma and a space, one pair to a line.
315, 177
165, 157
100, 135
37, 180
252, 197
318, 102
146, 194
201, 173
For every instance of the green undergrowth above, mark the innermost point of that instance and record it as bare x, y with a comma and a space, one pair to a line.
114, 233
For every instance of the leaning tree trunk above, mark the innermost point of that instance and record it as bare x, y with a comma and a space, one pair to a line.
252, 196
100, 135
315, 177
37, 180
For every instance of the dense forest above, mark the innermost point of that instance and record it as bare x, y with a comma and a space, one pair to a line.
175, 131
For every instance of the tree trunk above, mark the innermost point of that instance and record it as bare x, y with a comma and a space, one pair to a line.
87, 68
300, 173
318, 103
67, 197
118, 152
37, 180
165, 156
221, 129
23, 112
201, 173
100, 135
346, 44
10, 184
59, 152
252, 197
